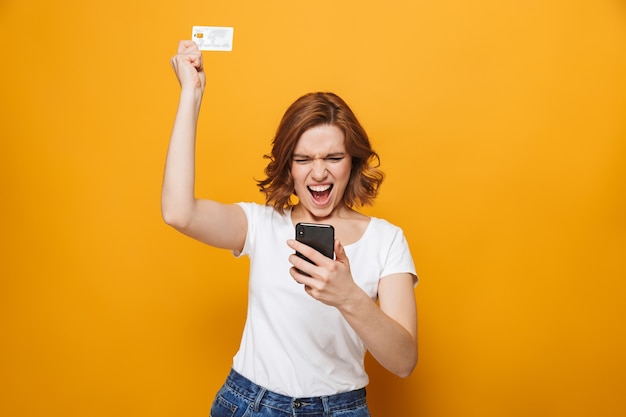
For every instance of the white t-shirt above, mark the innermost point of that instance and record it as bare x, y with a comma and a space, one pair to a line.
293, 344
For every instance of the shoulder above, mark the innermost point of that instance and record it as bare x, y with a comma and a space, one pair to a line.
256, 209
394, 248
259, 215
389, 238
265, 225
382, 226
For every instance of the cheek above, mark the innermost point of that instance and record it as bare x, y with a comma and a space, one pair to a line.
344, 172
296, 174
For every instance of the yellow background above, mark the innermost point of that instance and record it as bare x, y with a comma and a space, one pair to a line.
501, 126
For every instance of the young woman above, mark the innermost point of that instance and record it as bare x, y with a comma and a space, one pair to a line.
308, 324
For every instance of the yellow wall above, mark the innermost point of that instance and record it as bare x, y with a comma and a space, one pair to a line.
501, 125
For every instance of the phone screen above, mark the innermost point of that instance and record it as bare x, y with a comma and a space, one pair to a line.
320, 237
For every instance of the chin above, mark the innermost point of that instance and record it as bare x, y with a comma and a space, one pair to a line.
322, 213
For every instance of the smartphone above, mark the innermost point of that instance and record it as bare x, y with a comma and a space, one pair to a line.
320, 237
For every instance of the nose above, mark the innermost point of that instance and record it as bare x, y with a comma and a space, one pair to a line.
318, 170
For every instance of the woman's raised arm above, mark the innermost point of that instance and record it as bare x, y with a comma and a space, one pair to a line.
214, 223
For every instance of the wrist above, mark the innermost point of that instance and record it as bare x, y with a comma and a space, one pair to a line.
355, 303
191, 94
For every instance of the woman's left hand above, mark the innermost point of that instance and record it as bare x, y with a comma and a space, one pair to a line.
389, 331
329, 281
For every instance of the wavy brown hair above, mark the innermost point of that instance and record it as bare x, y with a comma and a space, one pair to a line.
312, 110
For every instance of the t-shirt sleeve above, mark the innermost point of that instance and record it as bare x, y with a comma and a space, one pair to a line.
249, 210
399, 258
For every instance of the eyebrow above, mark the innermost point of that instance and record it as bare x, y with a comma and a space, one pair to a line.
330, 155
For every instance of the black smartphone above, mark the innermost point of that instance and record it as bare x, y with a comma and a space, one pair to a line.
320, 237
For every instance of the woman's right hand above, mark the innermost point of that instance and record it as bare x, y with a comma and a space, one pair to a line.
187, 65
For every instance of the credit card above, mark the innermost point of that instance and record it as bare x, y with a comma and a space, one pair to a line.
213, 38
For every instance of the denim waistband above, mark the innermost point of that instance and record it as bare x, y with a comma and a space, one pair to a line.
325, 404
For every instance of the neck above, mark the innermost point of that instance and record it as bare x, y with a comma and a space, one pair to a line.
301, 214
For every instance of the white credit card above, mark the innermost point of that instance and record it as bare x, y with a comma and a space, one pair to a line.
213, 38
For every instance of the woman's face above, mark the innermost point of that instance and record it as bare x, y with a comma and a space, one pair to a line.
320, 169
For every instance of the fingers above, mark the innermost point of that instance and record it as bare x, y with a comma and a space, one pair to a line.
185, 44
316, 257
340, 252
302, 269
187, 64
188, 51
301, 277
184, 59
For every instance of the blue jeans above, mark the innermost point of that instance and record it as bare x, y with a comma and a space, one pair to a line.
240, 397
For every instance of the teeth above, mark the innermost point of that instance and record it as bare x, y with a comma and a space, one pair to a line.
319, 188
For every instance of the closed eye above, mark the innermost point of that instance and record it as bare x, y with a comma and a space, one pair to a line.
332, 158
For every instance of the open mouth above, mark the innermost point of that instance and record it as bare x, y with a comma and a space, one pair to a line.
320, 193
